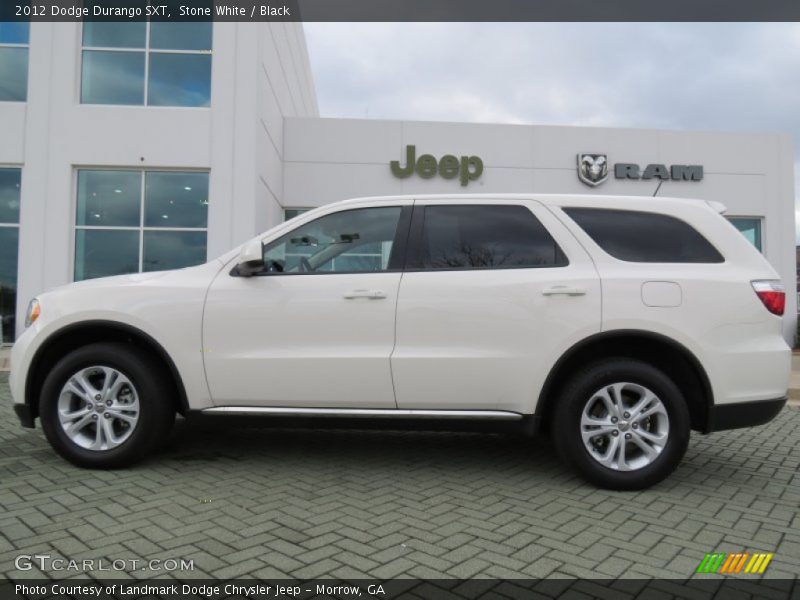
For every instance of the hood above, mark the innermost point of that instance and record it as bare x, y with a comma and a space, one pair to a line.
134, 279
115, 280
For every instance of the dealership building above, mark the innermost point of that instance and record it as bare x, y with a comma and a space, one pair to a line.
136, 147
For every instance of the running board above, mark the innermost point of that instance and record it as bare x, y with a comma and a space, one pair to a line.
365, 413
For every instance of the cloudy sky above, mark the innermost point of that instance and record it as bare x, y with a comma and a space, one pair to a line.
719, 76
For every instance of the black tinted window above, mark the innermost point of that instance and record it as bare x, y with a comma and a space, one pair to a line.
644, 237
486, 237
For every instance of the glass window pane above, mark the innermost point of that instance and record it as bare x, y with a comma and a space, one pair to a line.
750, 228
114, 35
13, 74
112, 78
103, 252
109, 198
291, 213
14, 33
173, 249
486, 237
346, 262
636, 236
9, 245
180, 36
346, 241
176, 200
179, 80
9, 195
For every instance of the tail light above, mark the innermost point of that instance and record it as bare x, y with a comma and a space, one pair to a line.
772, 294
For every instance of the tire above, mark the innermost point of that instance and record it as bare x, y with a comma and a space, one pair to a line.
619, 461
122, 418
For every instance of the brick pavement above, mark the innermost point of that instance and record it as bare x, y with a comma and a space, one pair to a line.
256, 502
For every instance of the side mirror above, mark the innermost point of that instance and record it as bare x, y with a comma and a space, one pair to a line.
251, 259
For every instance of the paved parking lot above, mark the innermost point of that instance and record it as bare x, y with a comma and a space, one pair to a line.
270, 504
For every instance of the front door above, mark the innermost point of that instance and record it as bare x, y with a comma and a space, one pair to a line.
316, 328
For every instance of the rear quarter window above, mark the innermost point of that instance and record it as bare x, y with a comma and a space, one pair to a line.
636, 236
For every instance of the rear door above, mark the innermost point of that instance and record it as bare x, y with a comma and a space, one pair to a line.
493, 293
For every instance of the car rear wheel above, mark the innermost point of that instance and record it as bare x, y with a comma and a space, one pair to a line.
622, 423
106, 405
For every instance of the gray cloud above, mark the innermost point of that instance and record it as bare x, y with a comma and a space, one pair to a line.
715, 76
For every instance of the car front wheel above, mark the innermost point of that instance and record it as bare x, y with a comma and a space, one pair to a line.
106, 405
622, 423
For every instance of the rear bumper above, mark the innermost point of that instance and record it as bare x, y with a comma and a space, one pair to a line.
744, 414
25, 415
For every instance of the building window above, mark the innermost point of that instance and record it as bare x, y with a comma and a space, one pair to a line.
14, 61
132, 221
10, 180
291, 213
144, 63
750, 227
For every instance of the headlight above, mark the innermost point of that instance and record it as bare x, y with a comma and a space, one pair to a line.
34, 310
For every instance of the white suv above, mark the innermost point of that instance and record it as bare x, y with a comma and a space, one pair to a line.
619, 324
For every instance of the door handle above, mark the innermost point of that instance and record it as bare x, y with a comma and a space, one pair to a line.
370, 294
564, 290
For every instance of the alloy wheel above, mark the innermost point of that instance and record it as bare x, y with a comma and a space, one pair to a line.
98, 408
624, 426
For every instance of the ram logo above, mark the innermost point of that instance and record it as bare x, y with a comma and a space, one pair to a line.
592, 168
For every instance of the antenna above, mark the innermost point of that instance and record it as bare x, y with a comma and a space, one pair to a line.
658, 187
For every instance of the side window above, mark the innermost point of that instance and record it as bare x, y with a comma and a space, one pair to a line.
635, 236
146, 63
343, 242
14, 41
486, 237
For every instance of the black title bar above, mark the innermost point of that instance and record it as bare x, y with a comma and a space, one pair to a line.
401, 10
396, 589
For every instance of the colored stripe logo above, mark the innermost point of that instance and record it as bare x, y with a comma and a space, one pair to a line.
734, 563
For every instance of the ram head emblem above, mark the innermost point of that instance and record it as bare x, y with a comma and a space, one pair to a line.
592, 168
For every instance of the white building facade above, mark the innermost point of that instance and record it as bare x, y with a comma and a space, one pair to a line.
128, 146
137, 147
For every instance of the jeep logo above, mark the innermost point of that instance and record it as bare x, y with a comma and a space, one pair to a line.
467, 168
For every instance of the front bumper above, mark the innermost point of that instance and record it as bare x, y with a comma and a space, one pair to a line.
21, 354
25, 415
744, 414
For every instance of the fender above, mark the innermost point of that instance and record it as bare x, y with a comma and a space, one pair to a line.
123, 330
606, 336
